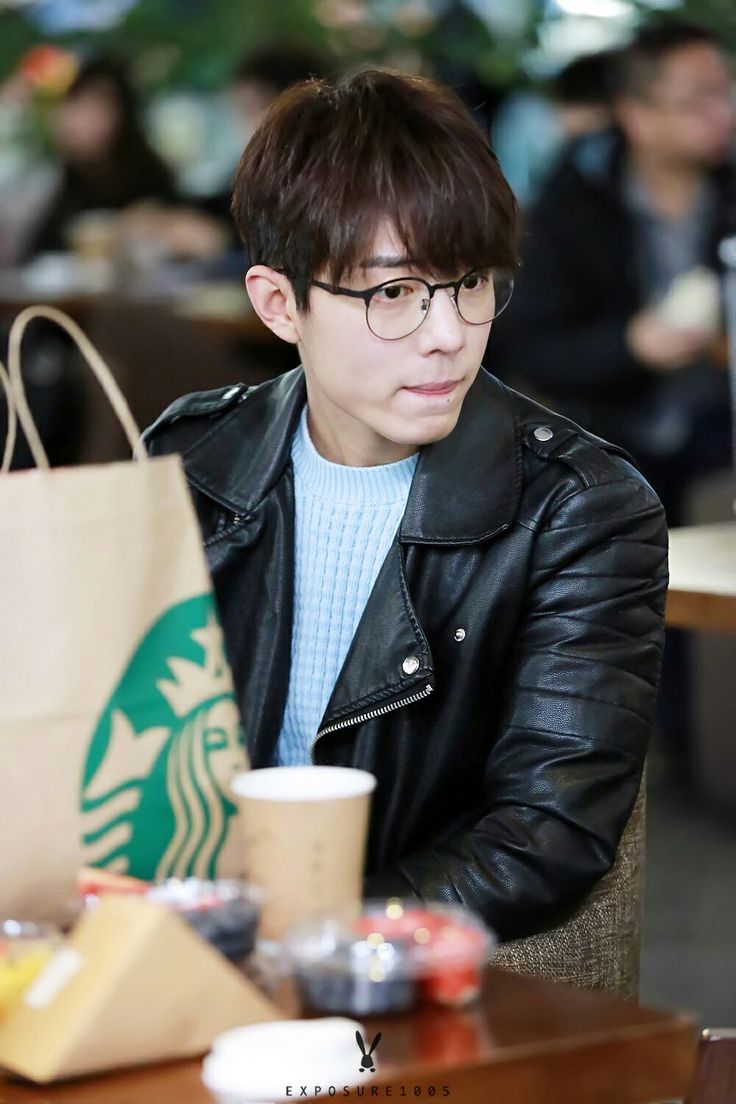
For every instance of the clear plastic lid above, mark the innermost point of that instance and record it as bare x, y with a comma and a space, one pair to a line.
197, 895
25, 948
224, 912
391, 938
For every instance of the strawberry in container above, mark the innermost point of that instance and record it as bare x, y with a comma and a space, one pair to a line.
450, 945
387, 956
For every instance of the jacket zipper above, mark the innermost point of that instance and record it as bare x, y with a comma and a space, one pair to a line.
380, 711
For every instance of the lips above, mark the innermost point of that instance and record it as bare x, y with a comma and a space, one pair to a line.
445, 387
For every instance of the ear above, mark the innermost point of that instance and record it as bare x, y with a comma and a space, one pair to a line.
627, 112
273, 301
359, 1039
375, 1042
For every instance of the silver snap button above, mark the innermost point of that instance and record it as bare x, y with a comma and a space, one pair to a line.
459, 634
410, 666
543, 433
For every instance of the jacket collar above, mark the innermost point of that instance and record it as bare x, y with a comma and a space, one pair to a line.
245, 453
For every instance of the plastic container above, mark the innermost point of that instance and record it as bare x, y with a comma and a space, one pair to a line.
387, 956
25, 948
224, 912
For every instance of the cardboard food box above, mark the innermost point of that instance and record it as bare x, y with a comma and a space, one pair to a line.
133, 984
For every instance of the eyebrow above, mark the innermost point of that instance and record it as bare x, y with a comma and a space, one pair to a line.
387, 261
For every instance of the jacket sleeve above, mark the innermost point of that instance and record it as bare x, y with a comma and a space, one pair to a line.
564, 770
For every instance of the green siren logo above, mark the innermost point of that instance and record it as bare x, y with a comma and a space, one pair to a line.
153, 794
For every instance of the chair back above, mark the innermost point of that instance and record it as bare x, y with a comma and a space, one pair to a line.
599, 946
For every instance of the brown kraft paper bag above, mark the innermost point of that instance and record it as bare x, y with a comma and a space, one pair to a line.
119, 731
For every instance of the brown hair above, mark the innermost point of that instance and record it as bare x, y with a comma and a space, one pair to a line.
639, 64
330, 160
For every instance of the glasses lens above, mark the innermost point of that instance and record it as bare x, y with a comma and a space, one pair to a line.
398, 308
401, 305
483, 295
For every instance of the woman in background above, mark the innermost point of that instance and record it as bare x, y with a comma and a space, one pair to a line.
106, 160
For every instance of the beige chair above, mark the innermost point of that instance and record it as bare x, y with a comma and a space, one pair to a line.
599, 946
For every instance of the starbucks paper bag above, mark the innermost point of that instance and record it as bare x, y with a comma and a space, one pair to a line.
119, 731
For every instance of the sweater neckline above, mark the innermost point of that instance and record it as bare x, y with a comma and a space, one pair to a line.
382, 484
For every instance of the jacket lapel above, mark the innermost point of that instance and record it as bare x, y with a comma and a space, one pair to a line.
388, 644
242, 464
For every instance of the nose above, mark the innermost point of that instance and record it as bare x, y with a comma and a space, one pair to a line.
443, 329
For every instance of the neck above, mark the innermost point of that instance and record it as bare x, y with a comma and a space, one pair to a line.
671, 187
342, 439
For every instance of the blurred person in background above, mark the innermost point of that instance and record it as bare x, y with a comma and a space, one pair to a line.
616, 316
531, 129
599, 326
261, 77
108, 165
257, 80
581, 94
106, 160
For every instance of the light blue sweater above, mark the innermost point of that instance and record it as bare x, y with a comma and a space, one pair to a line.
346, 520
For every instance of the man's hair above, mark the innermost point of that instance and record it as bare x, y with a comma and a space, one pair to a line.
332, 160
586, 81
639, 63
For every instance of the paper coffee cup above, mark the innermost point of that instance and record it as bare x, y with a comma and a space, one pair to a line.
305, 832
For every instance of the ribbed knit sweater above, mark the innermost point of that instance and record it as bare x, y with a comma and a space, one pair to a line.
346, 519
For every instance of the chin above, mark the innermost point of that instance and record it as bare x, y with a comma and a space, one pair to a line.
428, 431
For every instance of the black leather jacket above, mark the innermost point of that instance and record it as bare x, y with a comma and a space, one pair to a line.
501, 683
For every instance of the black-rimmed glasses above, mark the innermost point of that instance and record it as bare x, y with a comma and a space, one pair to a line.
396, 308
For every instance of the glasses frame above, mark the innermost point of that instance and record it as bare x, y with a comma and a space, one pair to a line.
456, 285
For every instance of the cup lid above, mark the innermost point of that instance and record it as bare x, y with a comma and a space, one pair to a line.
260, 1061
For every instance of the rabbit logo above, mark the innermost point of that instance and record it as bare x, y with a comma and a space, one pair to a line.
366, 1062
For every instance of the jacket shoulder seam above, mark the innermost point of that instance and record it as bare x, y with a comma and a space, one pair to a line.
197, 405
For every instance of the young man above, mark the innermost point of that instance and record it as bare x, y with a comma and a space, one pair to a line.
420, 572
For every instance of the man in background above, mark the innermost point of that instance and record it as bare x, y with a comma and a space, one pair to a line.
603, 324
616, 316
532, 128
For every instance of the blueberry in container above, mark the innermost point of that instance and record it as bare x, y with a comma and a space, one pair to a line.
337, 972
224, 913
345, 984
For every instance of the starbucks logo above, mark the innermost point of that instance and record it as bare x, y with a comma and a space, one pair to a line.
154, 787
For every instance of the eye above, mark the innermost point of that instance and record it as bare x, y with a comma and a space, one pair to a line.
475, 281
394, 293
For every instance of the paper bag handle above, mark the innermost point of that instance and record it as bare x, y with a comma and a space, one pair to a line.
12, 420
94, 360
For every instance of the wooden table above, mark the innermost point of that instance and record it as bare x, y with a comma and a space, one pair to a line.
526, 1042
702, 592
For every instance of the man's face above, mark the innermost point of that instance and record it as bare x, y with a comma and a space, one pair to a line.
688, 115
391, 395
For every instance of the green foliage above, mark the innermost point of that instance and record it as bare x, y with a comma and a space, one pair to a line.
718, 15
17, 36
198, 42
